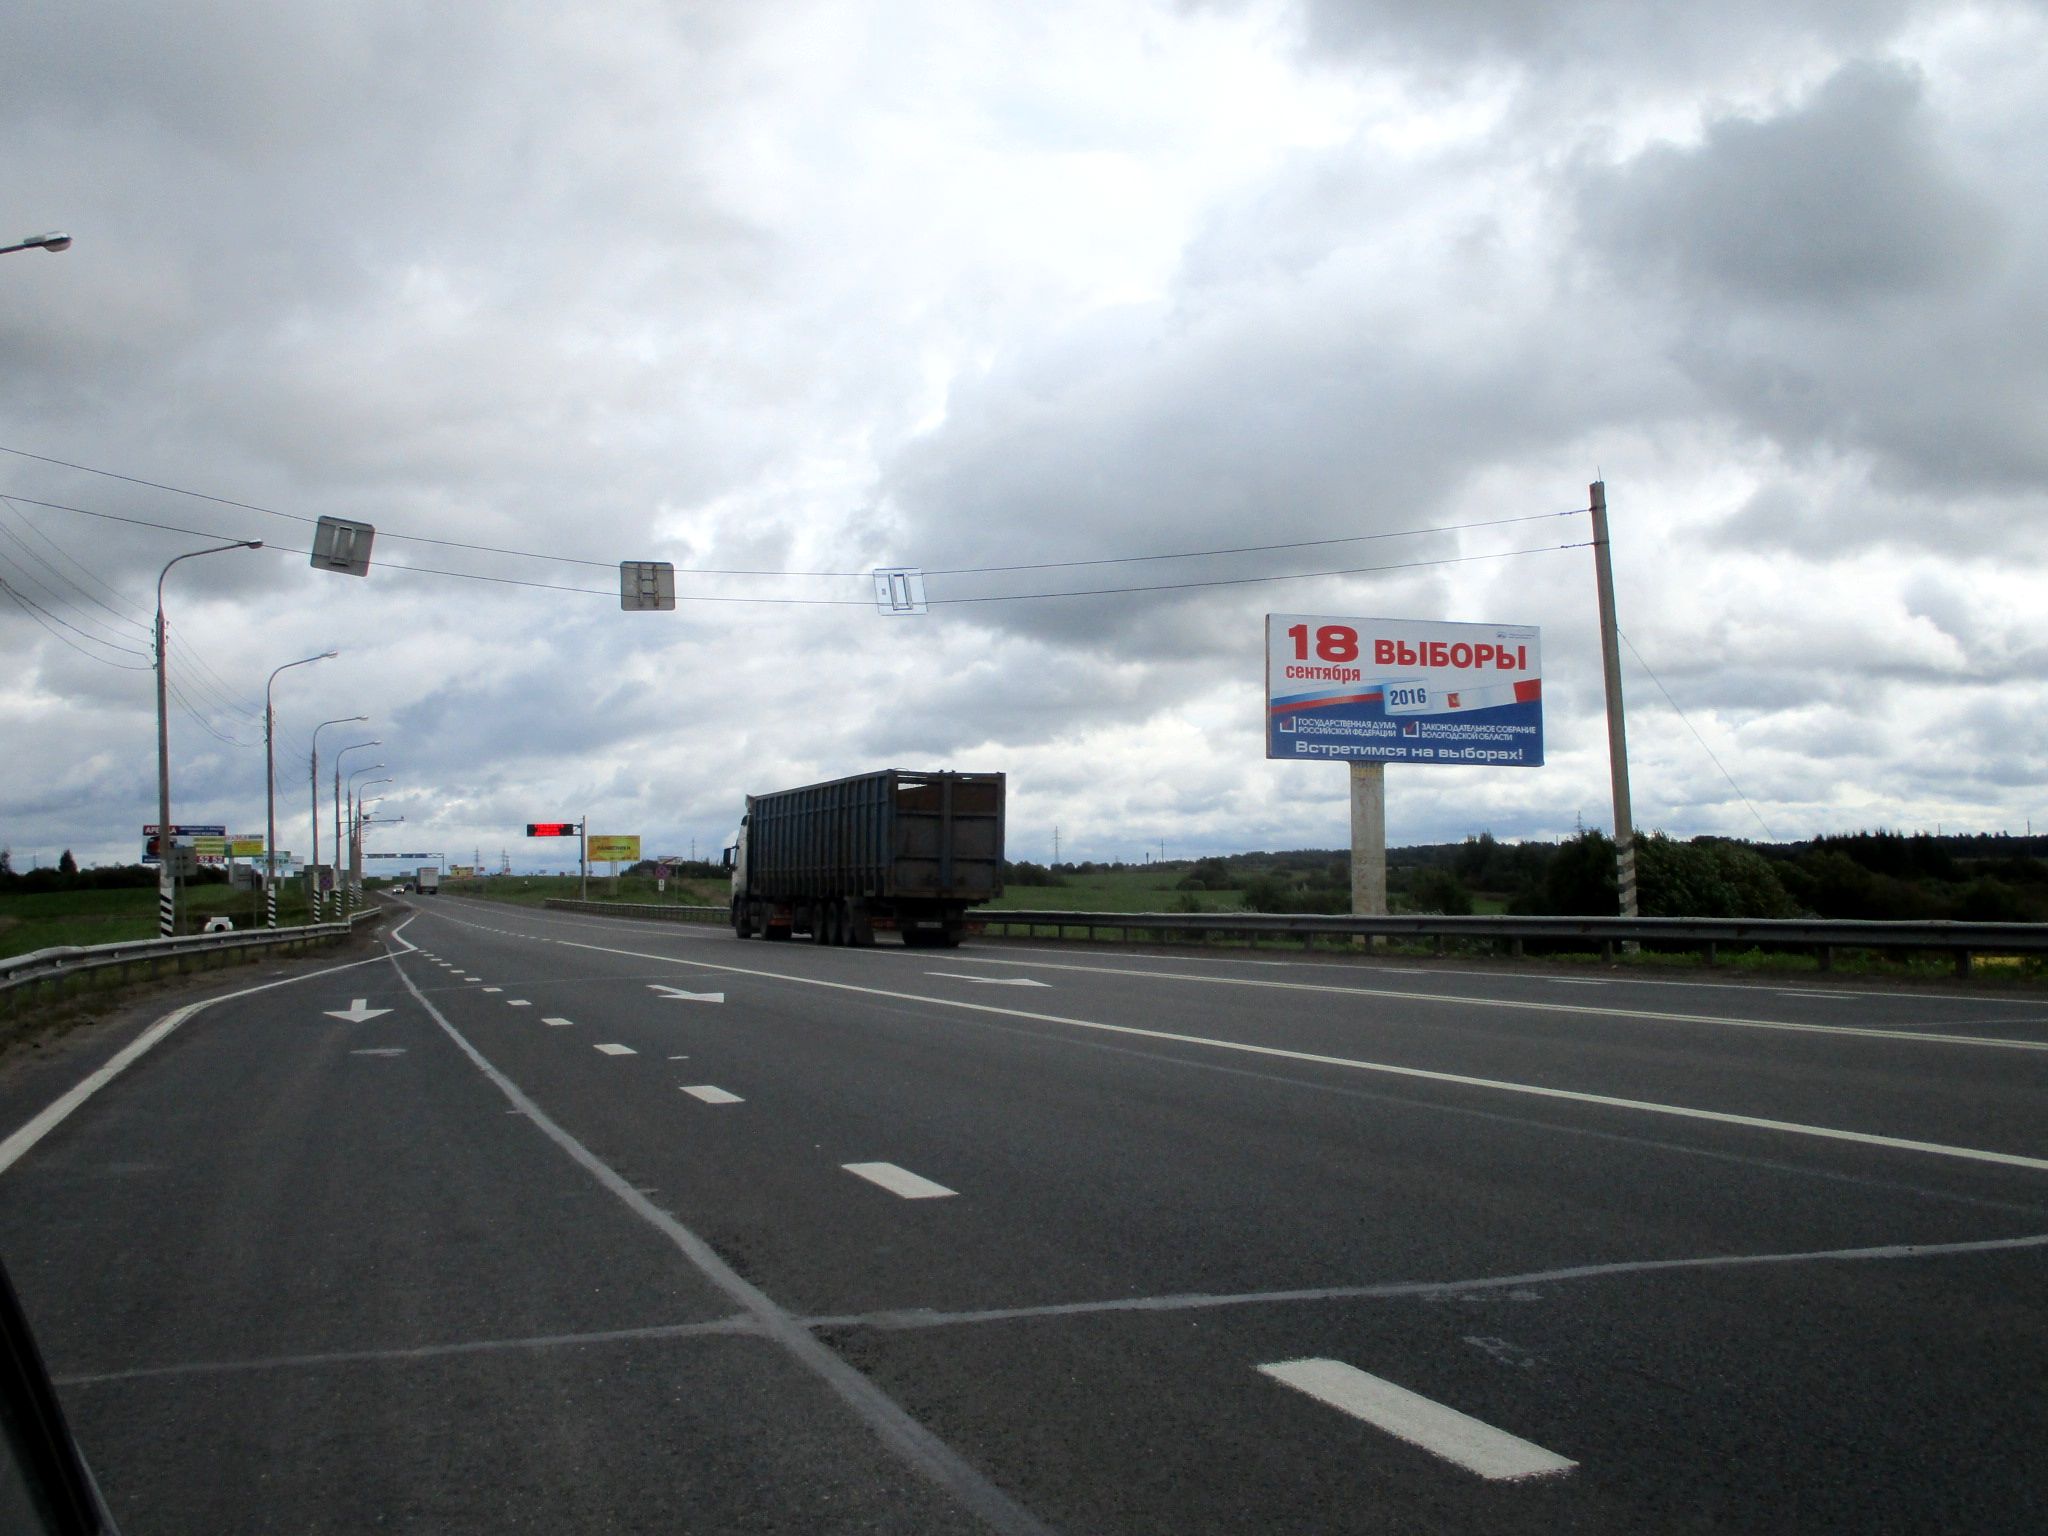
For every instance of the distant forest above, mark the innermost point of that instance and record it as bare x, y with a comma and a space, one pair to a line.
1976, 878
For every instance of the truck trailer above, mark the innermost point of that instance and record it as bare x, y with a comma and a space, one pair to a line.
429, 882
895, 850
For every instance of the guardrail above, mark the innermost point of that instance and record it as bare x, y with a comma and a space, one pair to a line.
1706, 935
37, 976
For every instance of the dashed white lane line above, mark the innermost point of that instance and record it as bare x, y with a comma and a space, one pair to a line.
472, 978
710, 1095
618, 1050
517, 1002
381, 1050
898, 1181
1456, 1437
494, 989
559, 1023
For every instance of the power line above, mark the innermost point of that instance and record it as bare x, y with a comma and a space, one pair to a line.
38, 614
1696, 736
1245, 581
1251, 549
862, 602
964, 570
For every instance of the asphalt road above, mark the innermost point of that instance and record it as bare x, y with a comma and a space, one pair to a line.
578, 1224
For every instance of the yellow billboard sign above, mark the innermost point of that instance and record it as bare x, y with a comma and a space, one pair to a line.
624, 850
245, 847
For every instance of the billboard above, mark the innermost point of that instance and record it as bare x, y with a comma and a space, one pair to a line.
214, 836
1403, 691
623, 849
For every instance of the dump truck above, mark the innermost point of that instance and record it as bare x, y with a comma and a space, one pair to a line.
429, 881
893, 850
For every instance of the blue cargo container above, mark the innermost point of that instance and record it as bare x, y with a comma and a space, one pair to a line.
890, 850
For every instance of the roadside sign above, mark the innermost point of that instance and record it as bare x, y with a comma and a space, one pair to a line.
180, 835
624, 849
552, 829
1403, 691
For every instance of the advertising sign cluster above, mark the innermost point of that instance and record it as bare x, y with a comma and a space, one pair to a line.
1403, 691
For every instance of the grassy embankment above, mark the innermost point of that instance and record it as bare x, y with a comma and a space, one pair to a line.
48, 919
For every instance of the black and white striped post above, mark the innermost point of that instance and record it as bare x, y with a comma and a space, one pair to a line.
167, 873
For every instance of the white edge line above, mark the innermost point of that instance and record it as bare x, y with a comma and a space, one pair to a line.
1421, 1421
1389, 1069
54, 1115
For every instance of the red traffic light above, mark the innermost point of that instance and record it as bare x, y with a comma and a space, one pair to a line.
551, 829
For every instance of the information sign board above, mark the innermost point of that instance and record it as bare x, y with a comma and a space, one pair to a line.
625, 849
1403, 691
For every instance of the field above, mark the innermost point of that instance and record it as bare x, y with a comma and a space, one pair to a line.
48, 919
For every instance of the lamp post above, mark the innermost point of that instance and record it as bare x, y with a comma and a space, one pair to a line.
270, 788
167, 870
344, 752
56, 240
355, 884
313, 869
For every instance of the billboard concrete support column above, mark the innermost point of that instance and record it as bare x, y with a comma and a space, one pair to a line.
1368, 839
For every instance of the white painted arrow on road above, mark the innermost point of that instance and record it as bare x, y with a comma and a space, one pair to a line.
678, 995
357, 1011
991, 981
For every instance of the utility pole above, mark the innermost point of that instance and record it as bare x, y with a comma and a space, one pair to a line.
1617, 731
1055, 842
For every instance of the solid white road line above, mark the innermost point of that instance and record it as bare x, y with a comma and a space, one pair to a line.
618, 1050
1527, 1005
559, 1023
1389, 1069
60, 1109
1456, 1437
711, 1095
898, 1181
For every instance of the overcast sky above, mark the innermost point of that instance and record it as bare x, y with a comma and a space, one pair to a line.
815, 287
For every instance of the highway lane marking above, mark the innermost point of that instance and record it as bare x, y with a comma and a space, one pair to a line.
1572, 981
679, 1058
60, 1109
517, 1002
381, 1050
711, 1095
920, 1449
1389, 1069
678, 995
913, 1318
991, 981
613, 1049
1871, 1032
559, 1023
487, 989
898, 1181
1421, 1421
358, 1012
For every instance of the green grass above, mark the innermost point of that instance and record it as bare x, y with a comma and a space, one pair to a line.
50, 919
533, 890
1123, 890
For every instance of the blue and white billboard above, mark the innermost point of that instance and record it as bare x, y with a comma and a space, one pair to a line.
1403, 691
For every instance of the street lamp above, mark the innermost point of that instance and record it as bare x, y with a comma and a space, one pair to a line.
342, 905
55, 240
355, 832
270, 789
167, 871
313, 869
